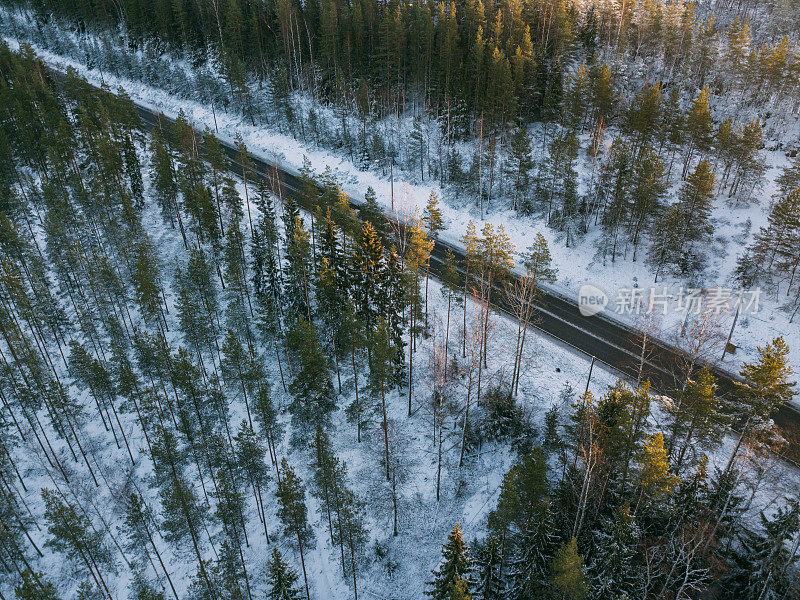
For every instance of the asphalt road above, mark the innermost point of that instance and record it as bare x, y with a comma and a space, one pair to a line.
605, 339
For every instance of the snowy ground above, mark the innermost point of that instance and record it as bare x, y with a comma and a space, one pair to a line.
468, 493
578, 265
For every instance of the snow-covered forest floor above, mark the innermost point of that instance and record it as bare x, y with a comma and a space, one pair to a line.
396, 567
578, 263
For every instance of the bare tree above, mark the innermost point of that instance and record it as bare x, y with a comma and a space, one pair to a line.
699, 337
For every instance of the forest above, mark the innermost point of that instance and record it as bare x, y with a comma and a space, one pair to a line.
151, 393
621, 123
213, 389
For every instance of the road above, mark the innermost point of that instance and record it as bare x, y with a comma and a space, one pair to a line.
601, 337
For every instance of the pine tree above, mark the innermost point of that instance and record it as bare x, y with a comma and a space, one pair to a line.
765, 389
382, 358
603, 93
737, 50
245, 164
560, 178
326, 481
293, 513
750, 166
697, 416
649, 189
354, 531
694, 205
665, 248
237, 291
496, 252
645, 115
673, 133
450, 280
74, 535
576, 98
613, 187
239, 370
197, 303
143, 590
470, 241
416, 258
231, 572
699, 128
140, 525
219, 165
776, 245
455, 566
418, 147
145, 281
538, 270
789, 179
250, 460
164, 179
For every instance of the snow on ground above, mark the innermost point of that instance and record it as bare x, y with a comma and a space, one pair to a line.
468, 493
577, 265
397, 567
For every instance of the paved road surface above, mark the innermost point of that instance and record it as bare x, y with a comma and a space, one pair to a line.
607, 340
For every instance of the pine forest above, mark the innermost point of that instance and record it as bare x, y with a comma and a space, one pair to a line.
299, 300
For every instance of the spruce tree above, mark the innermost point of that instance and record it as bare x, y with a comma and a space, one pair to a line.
764, 562
612, 569
35, 586
281, 579
313, 396
656, 480
569, 576
455, 566
520, 165
434, 224
372, 212
298, 271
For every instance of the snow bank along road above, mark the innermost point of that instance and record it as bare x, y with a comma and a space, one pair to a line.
600, 337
